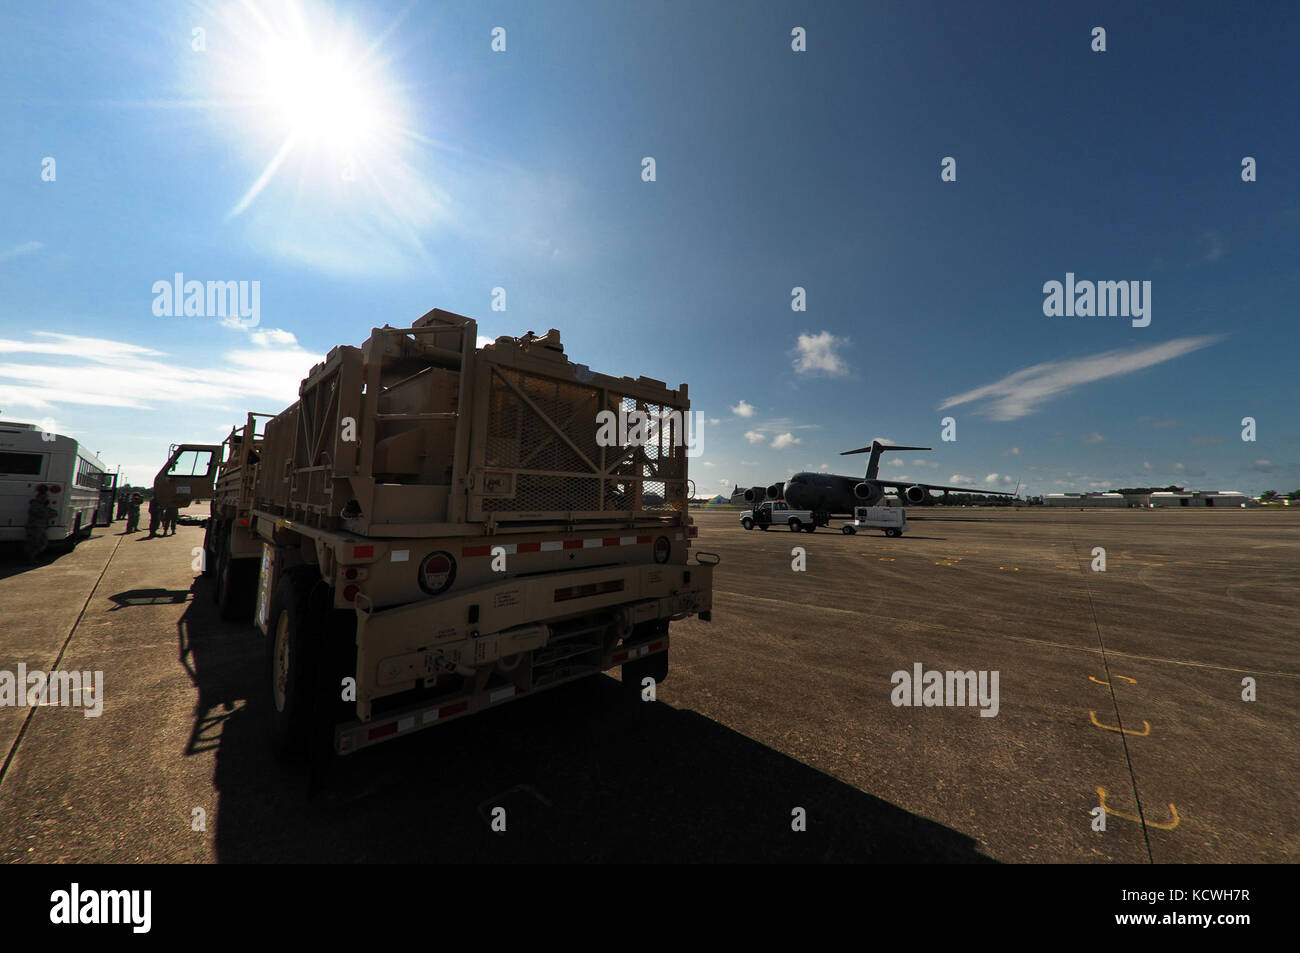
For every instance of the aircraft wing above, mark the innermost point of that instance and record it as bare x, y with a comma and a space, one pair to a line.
950, 489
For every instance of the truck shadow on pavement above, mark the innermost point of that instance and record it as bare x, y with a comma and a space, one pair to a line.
583, 776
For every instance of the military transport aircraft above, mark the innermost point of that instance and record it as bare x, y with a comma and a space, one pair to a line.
827, 494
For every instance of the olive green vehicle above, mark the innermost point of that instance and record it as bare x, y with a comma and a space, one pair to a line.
434, 529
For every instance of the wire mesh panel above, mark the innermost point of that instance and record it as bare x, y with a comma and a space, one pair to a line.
561, 446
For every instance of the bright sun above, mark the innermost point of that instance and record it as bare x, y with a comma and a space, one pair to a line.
311, 95
322, 100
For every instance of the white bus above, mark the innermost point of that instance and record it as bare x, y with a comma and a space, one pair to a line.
79, 486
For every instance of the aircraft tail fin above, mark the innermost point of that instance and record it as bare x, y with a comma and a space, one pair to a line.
876, 449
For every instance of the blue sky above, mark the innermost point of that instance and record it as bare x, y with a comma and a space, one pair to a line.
425, 170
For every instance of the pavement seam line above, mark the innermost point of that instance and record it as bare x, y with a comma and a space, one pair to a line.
31, 710
1119, 720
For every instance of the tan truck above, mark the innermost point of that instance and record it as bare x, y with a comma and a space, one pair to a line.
439, 529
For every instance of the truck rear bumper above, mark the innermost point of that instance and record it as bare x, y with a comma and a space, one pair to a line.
355, 735
528, 632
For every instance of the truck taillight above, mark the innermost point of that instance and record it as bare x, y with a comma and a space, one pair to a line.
350, 592
662, 549
55, 488
437, 572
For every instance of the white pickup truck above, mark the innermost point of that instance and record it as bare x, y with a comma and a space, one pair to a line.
778, 513
893, 520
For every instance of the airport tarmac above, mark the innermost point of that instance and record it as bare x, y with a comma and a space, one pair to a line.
1128, 680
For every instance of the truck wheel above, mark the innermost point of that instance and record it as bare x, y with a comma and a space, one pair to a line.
216, 560
236, 592
747, 523
338, 660
294, 661
763, 527
209, 551
794, 525
847, 530
810, 528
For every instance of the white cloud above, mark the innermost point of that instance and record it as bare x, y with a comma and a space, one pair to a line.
1023, 392
102, 372
483, 340
26, 248
816, 355
714, 421
753, 436
895, 462
781, 441
743, 409
960, 478
1264, 466
1014, 451
824, 466
273, 337
1093, 437
1146, 464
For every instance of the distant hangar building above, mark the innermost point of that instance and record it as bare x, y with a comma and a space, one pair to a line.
1160, 498
1086, 499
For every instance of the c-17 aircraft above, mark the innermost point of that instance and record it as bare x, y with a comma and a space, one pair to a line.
827, 494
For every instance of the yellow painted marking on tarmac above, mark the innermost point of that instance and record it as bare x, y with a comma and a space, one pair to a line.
1013, 568
885, 559
1131, 681
1101, 793
1146, 727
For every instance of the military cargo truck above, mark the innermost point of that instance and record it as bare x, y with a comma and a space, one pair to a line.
232, 552
443, 529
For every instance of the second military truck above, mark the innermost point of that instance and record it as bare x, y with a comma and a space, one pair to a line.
434, 529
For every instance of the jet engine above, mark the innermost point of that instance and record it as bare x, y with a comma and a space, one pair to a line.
776, 491
868, 490
915, 494
755, 494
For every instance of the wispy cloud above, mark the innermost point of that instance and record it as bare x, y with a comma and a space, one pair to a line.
24, 249
106, 373
1024, 392
743, 409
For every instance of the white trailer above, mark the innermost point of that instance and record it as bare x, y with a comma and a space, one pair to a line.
893, 520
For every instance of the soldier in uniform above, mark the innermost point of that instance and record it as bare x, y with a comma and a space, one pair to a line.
40, 514
170, 515
155, 517
133, 513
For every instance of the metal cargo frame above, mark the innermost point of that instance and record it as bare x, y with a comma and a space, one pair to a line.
448, 439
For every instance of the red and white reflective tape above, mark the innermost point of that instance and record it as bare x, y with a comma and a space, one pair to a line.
556, 545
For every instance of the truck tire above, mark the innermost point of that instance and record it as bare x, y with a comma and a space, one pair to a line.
235, 588
216, 558
338, 660
209, 551
294, 658
763, 527
847, 530
810, 527
747, 523
794, 525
